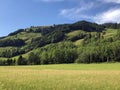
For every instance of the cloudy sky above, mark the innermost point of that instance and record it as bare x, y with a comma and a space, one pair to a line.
16, 14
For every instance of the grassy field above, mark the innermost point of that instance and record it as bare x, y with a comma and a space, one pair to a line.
61, 77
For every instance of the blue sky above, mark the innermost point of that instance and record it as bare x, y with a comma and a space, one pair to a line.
17, 14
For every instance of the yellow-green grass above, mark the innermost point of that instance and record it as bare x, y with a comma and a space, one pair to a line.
61, 77
28, 36
3, 58
74, 33
7, 48
110, 33
78, 42
25, 36
23, 55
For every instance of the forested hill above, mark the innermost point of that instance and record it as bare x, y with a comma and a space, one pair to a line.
81, 42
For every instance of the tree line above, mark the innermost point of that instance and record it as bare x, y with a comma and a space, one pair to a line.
67, 52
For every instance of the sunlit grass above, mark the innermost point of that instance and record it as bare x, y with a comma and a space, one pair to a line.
61, 77
110, 33
78, 42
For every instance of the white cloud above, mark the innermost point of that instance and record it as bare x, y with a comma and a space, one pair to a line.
111, 1
82, 12
77, 12
112, 15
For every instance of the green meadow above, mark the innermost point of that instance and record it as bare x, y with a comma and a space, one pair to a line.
105, 76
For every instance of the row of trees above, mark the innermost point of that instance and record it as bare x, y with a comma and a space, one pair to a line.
67, 52
8, 62
112, 25
102, 53
10, 52
31, 60
52, 54
11, 42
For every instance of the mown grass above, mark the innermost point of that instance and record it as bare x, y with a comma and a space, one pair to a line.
61, 77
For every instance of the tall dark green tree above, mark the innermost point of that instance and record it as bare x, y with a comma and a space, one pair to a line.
21, 61
33, 59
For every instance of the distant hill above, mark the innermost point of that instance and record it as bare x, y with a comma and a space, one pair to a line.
42, 40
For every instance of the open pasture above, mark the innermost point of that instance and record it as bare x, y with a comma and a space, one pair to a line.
61, 77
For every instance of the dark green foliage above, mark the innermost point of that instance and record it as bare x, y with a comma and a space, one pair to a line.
112, 25
101, 53
81, 25
11, 62
21, 61
11, 42
8, 62
87, 26
16, 32
77, 37
10, 52
53, 37
64, 52
33, 59
40, 29
1, 62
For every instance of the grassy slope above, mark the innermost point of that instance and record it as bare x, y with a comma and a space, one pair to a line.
78, 42
25, 36
61, 77
2, 58
74, 33
110, 33
28, 36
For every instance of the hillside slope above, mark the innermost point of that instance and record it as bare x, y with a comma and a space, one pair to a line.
48, 44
